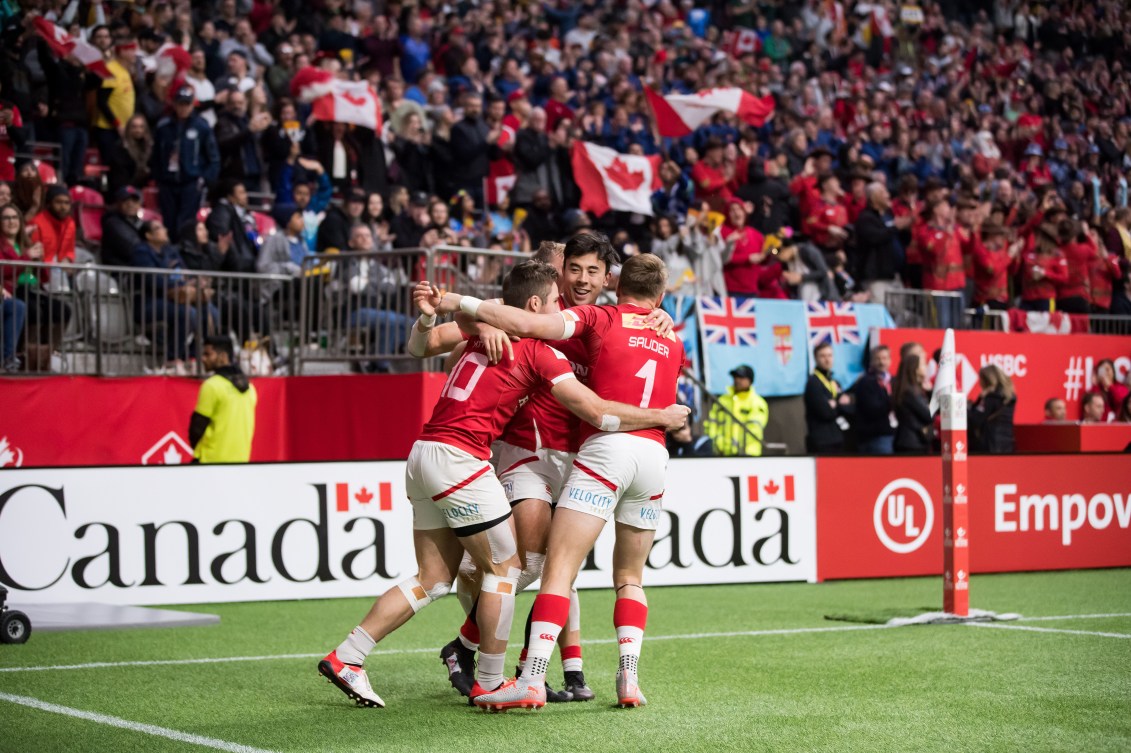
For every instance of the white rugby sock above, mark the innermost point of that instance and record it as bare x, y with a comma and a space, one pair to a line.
356, 647
491, 670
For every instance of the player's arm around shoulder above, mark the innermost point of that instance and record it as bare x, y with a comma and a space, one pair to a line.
607, 415
507, 318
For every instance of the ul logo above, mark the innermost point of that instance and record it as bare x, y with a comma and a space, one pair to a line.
903, 515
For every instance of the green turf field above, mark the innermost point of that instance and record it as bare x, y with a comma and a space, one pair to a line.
715, 677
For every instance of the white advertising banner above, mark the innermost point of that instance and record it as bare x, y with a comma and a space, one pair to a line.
196, 534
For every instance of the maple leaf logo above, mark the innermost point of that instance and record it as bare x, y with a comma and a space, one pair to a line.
772, 487
619, 173
171, 456
10, 456
363, 496
355, 100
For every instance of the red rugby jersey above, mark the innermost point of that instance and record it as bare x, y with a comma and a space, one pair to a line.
479, 398
628, 362
544, 422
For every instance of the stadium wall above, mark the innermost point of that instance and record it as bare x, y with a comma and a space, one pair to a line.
168, 535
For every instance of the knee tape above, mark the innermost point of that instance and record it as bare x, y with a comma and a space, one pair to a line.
506, 586
532, 571
502, 543
574, 611
418, 597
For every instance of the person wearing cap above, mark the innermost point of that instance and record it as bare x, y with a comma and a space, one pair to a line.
944, 269
334, 230
121, 228
197, 77
116, 99
1033, 168
1043, 266
1080, 252
994, 257
283, 251
738, 418
825, 222
185, 158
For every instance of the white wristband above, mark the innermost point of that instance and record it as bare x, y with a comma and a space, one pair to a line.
470, 305
426, 321
609, 423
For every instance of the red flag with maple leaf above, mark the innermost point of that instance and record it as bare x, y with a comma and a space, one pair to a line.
610, 180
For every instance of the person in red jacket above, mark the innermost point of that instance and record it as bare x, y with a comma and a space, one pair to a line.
993, 257
1043, 267
943, 267
827, 216
713, 176
743, 273
1103, 276
55, 228
1080, 254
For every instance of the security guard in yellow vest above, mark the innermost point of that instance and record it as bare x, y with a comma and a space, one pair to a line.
223, 424
744, 435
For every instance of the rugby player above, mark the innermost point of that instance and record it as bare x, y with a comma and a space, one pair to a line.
458, 502
617, 476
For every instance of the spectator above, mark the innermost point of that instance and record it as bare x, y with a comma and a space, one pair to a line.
876, 238
313, 199
197, 77
237, 137
230, 216
713, 176
29, 190
1042, 269
185, 158
373, 287
130, 158
1056, 410
55, 228
938, 242
990, 418
1125, 413
532, 159
827, 406
222, 426
875, 422
198, 251
744, 253
473, 146
738, 418
67, 91
283, 252
13, 311
177, 302
412, 145
912, 413
378, 221
116, 98
825, 219
1094, 409
334, 231
1105, 385
121, 227
993, 258
13, 136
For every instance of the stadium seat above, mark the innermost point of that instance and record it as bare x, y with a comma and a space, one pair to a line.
89, 205
105, 311
47, 172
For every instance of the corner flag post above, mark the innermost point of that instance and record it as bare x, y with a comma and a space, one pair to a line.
956, 525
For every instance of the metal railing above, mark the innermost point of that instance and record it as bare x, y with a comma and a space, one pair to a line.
359, 308
1109, 324
925, 309
102, 320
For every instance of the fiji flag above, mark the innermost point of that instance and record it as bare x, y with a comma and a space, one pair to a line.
845, 326
764, 334
682, 310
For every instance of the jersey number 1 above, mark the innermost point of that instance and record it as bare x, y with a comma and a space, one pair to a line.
648, 374
476, 361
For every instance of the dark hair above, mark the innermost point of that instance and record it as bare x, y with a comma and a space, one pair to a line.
222, 344
822, 346
587, 243
1049, 403
1089, 397
906, 348
906, 379
643, 275
147, 227
528, 278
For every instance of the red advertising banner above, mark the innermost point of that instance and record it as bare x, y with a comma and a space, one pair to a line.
76, 421
1041, 366
883, 517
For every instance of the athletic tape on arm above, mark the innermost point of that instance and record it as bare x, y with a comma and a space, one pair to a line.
609, 423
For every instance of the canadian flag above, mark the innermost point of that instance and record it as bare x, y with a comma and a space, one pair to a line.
741, 41
337, 101
680, 114
498, 187
611, 180
364, 496
770, 489
1047, 322
63, 44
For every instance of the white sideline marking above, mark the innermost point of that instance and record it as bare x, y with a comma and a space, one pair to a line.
113, 721
588, 642
1032, 629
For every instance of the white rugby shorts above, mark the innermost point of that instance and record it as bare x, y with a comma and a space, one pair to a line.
618, 476
450, 488
532, 475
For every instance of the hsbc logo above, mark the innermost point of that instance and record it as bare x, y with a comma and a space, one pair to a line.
903, 516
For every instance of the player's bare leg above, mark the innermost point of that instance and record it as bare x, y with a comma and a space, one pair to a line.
438, 553
572, 535
630, 614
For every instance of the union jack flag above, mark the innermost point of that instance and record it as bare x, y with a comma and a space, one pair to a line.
833, 323
728, 321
